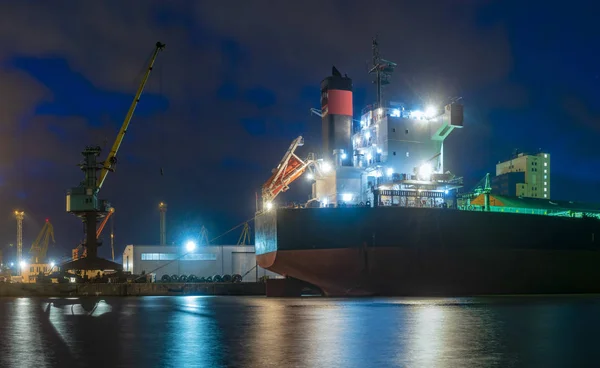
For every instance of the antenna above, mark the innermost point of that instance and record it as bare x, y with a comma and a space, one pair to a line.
383, 70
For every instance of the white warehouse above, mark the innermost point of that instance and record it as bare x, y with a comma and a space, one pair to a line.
204, 261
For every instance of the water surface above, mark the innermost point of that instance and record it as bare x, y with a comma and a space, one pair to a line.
309, 332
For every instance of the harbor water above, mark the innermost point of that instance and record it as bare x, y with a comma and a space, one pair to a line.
204, 331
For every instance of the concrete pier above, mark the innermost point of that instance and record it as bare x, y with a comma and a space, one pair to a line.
131, 289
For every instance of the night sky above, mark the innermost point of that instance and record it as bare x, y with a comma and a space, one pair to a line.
234, 87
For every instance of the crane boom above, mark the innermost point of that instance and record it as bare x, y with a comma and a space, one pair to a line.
108, 164
289, 169
103, 223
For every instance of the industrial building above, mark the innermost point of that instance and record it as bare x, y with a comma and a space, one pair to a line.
524, 175
204, 261
30, 272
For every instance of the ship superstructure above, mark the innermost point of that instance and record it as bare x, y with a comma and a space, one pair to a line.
394, 156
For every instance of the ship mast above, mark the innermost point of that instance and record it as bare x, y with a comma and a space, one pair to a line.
383, 70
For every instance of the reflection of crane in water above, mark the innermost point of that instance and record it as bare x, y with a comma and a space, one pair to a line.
93, 307
57, 316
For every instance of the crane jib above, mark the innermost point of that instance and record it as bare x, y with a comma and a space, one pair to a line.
107, 166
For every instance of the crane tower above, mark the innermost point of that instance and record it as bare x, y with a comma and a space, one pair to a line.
162, 207
20, 215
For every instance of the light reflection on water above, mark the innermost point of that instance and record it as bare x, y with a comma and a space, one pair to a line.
312, 332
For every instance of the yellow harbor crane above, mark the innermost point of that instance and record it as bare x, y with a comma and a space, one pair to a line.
83, 201
39, 248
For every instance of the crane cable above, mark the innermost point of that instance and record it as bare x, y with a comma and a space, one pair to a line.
185, 254
161, 125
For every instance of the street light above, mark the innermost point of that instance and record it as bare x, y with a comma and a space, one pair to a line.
190, 246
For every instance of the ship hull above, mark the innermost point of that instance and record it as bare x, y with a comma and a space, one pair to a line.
430, 252
399, 272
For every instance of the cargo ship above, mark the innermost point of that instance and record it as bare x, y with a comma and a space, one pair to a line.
386, 218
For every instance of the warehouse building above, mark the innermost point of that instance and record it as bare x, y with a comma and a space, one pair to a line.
202, 261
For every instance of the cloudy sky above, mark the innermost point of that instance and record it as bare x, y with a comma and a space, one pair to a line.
235, 85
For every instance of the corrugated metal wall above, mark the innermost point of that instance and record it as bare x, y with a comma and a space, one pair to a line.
209, 261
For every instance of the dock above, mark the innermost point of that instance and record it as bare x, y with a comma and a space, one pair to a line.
131, 289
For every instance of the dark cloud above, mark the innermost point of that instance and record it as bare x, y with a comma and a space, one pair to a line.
234, 87
340, 33
20, 94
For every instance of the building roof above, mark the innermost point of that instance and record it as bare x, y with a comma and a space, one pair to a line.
537, 203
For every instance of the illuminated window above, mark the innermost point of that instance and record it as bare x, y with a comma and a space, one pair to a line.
545, 177
545, 196
545, 183
545, 189
174, 256
200, 257
545, 155
545, 171
545, 164
149, 256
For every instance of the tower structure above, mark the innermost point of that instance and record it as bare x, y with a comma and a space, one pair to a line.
336, 117
20, 215
162, 207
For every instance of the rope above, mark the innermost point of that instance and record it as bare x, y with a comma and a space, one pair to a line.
233, 228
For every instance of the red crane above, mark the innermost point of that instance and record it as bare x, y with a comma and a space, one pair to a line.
289, 169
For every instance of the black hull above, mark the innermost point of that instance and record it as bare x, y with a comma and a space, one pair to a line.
418, 251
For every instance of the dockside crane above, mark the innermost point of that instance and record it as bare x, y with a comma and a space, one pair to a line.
482, 187
245, 235
39, 248
82, 201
